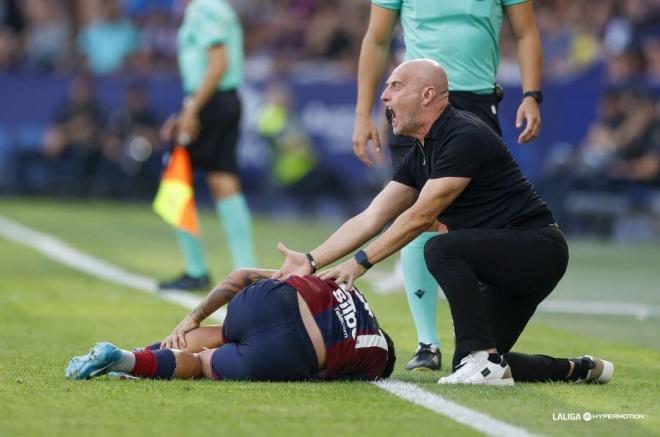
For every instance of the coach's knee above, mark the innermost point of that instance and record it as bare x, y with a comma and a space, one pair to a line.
436, 249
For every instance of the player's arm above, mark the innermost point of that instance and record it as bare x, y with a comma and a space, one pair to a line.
226, 290
188, 123
530, 61
387, 205
219, 296
373, 56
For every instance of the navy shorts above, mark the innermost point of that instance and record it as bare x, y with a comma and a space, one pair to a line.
266, 339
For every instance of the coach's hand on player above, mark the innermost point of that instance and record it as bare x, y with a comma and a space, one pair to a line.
365, 130
530, 113
344, 273
177, 339
295, 263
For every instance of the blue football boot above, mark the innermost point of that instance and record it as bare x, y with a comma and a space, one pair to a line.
97, 362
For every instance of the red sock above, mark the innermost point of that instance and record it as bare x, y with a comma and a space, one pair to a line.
145, 364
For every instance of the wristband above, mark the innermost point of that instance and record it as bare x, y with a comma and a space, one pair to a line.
361, 258
311, 262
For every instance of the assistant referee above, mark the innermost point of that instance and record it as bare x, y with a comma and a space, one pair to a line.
210, 45
463, 36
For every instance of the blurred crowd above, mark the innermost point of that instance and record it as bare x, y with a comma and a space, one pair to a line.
110, 36
138, 38
113, 36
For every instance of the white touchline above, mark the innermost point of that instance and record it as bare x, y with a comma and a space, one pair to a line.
458, 413
59, 251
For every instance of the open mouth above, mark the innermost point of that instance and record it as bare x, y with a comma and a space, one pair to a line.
390, 115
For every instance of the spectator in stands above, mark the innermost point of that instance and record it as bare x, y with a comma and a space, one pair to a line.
72, 144
11, 16
8, 49
638, 160
47, 36
109, 40
129, 142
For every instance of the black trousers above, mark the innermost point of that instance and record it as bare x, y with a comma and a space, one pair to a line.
494, 279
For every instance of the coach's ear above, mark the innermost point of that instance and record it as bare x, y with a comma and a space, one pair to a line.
428, 95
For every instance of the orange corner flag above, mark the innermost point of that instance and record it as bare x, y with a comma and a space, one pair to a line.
175, 200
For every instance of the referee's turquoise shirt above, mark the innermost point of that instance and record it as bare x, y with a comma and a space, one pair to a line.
207, 23
462, 35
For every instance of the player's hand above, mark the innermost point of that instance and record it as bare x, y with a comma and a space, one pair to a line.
365, 130
177, 339
187, 126
295, 263
530, 113
168, 128
345, 273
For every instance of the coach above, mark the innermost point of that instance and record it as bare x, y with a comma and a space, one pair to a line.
464, 36
503, 254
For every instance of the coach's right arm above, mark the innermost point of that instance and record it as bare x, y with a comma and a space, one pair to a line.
386, 206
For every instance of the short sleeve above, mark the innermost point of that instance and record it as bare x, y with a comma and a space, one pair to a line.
506, 3
405, 173
211, 24
461, 156
388, 4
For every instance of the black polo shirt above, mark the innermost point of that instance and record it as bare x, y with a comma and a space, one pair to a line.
498, 195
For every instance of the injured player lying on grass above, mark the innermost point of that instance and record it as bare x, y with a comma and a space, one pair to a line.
303, 328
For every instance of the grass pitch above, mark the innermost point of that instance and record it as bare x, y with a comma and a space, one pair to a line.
50, 312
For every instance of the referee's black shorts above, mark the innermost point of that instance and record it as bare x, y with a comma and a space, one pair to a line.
484, 106
216, 146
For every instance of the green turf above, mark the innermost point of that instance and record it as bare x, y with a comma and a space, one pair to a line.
50, 312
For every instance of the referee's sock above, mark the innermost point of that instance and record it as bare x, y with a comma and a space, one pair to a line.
193, 254
237, 222
421, 289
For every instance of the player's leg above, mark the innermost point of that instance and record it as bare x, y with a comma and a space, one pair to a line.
421, 287
197, 340
152, 364
266, 337
223, 180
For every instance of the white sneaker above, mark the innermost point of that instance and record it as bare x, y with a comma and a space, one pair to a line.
475, 368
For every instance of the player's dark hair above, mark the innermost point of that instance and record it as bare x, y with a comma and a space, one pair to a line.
391, 356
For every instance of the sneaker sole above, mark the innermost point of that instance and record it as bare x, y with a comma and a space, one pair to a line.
608, 373
501, 382
498, 382
421, 369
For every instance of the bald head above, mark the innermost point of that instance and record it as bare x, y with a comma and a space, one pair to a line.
425, 73
417, 93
